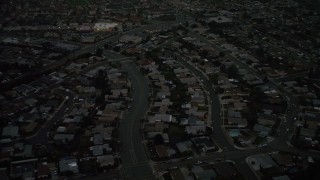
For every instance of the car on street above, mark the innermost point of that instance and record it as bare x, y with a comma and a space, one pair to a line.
262, 145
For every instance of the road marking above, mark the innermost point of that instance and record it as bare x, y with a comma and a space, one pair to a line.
122, 174
133, 156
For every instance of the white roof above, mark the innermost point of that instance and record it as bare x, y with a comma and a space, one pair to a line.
105, 25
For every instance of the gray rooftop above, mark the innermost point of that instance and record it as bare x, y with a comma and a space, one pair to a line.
69, 164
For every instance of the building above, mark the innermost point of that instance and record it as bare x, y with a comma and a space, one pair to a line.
200, 173
69, 164
106, 160
10, 132
220, 20
43, 171
106, 27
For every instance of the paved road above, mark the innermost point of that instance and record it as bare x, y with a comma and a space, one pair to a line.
113, 175
218, 133
135, 164
134, 159
235, 156
291, 99
291, 77
285, 129
87, 49
219, 136
230, 152
41, 136
238, 157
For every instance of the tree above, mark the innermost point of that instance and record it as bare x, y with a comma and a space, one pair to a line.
115, 133
311, 73
100, 80
117, 48
86, 121
186, 24
99, 52
232, 71
203, 53
214, 78
194, 26
158, 139
257, 93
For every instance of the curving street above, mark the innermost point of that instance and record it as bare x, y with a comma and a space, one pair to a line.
135, 163
218, 132
40, 137
134, 160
